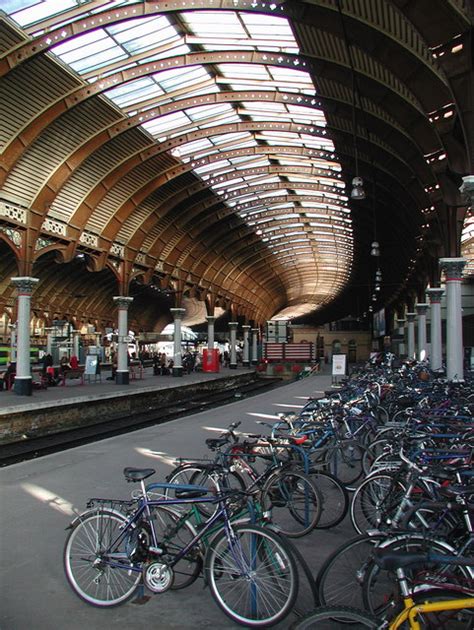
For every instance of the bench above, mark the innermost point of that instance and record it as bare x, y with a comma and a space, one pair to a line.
136, 372
70, 375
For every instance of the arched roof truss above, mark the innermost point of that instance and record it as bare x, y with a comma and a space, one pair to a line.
213, 140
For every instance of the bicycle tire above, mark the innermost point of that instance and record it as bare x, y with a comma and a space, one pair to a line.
335, 499
374, 501
336, 618
337, 581
344, 461
379, 588
88, 572
253, 578
294, 501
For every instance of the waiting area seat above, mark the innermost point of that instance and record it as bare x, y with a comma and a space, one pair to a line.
69, 375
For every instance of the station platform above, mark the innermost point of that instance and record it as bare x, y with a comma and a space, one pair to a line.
39, 499
97, 388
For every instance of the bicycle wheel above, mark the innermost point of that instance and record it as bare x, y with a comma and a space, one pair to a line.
335, 499
374, 502
379, 588
294, 501
252, 576
335, 618
96, 561
339, 581
174, 531
345, 462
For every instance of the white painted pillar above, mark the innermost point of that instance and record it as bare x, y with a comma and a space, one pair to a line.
421, 310
49, 340
233, 342
23, 380
210, 331
411, 334
453, 268
122, 376
401, 333
246, 353
178, 316
254, 346
436, 355
76, 336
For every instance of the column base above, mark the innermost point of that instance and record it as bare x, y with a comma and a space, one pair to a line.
178, 371
122, 378
233, 366
246, 363
23, 386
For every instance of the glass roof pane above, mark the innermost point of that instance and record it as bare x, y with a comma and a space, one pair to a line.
38, 11
277, 202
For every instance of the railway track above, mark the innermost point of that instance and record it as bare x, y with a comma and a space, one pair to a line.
34, 447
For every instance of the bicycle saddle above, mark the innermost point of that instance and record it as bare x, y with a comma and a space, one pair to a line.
214, 443
138, 474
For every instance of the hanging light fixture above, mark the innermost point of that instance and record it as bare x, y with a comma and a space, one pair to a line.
375, 248
358, 192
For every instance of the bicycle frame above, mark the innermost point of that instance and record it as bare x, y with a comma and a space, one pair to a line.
145, 506
412, 610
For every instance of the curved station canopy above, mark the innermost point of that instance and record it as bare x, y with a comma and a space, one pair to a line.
202, 153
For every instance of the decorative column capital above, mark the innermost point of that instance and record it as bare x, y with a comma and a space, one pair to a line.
411, 317
467, 189
210, 318
422, 309
435, 294
246, 327
25, 284
123, 302
177, 312
233, 325
401, 322
452, 267
255, 330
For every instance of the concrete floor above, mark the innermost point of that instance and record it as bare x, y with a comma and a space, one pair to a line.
39, 499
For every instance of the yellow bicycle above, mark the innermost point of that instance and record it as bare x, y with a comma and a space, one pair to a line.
429, 604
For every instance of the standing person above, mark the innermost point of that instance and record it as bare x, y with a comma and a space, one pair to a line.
74, 362
64, 364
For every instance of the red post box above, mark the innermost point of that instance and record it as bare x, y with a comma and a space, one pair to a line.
210, 360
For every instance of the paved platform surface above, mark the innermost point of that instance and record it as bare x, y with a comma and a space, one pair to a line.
73, 391
39, 498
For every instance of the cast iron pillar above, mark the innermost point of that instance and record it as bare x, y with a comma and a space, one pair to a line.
178, 316
436, 355
453, 268
122, 376
233, 342
23, 385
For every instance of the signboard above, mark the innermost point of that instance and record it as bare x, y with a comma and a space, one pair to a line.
91, 365
338, 364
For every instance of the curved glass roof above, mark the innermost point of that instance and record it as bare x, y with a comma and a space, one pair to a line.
267, 152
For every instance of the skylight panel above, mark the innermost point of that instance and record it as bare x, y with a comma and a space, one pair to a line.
167, 122
243, 71
214, 23
130, 93
206, 111
180, 77
39, 10
97, 60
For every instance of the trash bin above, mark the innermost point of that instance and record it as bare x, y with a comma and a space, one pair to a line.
210, 360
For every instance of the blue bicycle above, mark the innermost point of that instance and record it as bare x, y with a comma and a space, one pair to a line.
115, 547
